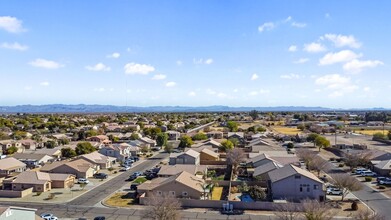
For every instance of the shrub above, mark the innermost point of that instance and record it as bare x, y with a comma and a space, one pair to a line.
115, 172
382, 187
354, 206
332, 159
234, 189
341, 165
368, 179
338, 160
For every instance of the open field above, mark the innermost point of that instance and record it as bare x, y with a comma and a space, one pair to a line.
370, 132
286, 130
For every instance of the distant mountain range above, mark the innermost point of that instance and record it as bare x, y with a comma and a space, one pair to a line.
81, 108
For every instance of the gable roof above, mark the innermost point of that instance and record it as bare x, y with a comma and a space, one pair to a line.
192, 153
384, 165
11, 163
32, 177
169, 170
210, 153
183, 178
96, 157
265, 168
290, 170
24, 156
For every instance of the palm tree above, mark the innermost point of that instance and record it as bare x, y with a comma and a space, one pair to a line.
207, 188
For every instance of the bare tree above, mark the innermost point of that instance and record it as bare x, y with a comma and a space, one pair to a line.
287, 211
306, 155
234, 158
162, 208
346, 183
319, 164
368, 215
355, 159
315, 210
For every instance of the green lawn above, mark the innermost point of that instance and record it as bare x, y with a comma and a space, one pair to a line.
140, 180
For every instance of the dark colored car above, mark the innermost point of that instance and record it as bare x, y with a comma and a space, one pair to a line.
133, 186
100, 218
131, 178
100, 176
151, 176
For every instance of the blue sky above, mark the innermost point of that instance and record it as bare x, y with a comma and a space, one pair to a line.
196, 53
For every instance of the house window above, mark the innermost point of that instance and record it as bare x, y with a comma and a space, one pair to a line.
172, 193
308, 189
316, 187
301, 189
159, 193
297, 177
185, 194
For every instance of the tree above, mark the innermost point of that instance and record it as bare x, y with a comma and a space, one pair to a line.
257, 193
161, 139
290, 145
68, 152
11, 150
321, 142
200, 136
306, 156
254, 114
379, 136
51, 144
287, 211
234, 141
84, 148
346, 183
226, 146
315, 210
134, 136
232, 126
63, 141
207, 188
162, 208
168, 148
319, 164
234, 158
185, 141
353, 160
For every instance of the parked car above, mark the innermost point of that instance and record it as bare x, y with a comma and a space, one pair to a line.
137, 173
151, 176
48, 216
133, 186
100, 218
126, 168
135, 159
368, 173
82, 180
359, 170
100, 176
129, 160
334, 191
380, 178
386, 181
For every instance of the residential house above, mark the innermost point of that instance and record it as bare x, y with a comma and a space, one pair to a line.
171, 170
182, 185
81, 168
5, 144
237, 135
100, 139
54, 152
33, 160
15, 213
261, 172
29, 144
209, 155
39, 181
99, 159
383, 168
293, 183
120, 151
10, 165
215, 134
260, 160
146, 141
173, 135
188, 157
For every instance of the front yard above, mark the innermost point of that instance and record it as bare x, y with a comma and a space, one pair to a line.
120, 200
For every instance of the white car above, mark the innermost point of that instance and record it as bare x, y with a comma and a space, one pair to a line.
125, 168
334, 191
368, 173
360, 170
49, 216
83, 181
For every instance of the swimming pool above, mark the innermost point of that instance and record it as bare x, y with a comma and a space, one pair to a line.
245, 198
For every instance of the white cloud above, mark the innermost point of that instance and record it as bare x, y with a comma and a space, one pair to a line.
159, 77
259, 92
98, 67
170, 84
179, 62
222, 95
136, 68
192, 94
266, 26
47, 64
14, 46
202, 61
338, 57
254, 76
299, 25
114, 55
301, 60
292, 48
45, 83
209, 61
343, 40
367, 89
290, 76
314, 47
356, 66
236, 90
337, 84
99, 89
11, 24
